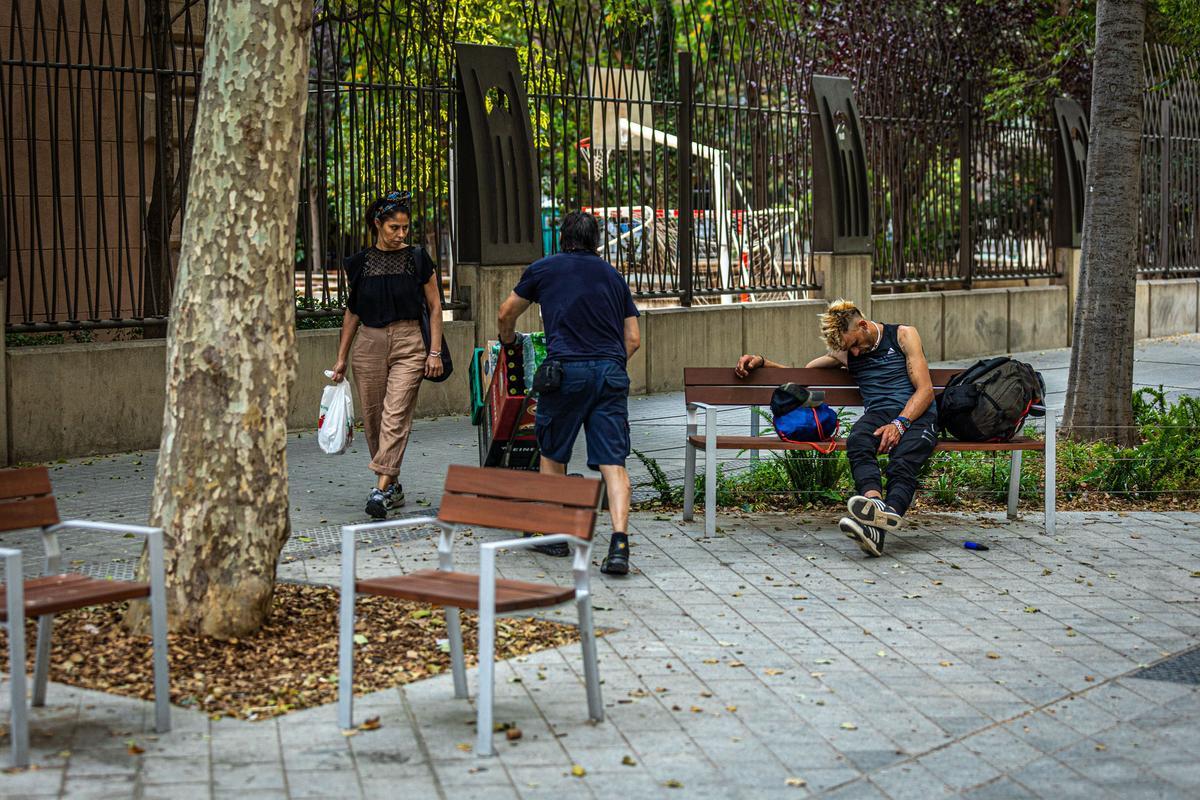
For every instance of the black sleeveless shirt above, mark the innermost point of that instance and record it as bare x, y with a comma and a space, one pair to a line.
387, 285
882, 374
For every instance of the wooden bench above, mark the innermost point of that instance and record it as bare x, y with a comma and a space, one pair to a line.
26, 502
563, 507
711, 389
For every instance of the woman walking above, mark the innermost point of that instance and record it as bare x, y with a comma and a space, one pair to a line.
391, 283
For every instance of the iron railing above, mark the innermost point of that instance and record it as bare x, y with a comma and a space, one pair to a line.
1169, 240
686, 129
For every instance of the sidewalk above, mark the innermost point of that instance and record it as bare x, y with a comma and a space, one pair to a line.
771, 651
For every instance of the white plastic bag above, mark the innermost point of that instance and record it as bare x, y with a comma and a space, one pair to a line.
335, 425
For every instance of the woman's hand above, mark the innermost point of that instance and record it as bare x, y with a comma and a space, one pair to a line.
339, 370
433, 366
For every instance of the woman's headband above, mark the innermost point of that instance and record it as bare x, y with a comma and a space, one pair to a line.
393, 201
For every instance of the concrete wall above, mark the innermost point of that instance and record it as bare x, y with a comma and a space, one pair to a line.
923, 311
75, 400
976, 322
1037, 318
1173, 306
81, 399
702, 336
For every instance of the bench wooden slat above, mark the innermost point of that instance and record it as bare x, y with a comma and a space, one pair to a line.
31, 512
760, 395
516, 485
57, 593
774, 376
517, 516
774, 443
28, 482
461, 590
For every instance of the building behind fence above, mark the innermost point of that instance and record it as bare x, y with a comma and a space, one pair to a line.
97, 100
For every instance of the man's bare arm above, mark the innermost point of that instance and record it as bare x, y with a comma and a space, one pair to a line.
918, 373
828, 361
633, 337
510, 309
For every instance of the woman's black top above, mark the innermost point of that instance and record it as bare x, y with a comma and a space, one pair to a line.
386, 285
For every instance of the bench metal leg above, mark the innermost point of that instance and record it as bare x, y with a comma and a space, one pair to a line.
1051, 466
591, 668
1014, 484
41, 658
487, 654
15, 597
458, 662
346, 636
754, 423
689, 468
158, 629
710, 472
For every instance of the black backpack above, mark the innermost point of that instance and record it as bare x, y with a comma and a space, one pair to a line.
988, 402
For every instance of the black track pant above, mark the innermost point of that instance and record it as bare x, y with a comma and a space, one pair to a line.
904, 462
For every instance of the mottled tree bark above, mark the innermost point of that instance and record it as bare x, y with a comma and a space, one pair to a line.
221, 489
1099, 403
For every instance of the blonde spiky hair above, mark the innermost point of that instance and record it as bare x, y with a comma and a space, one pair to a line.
836, 320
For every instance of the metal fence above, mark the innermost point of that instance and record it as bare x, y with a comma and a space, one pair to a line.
1169, 241
684, 127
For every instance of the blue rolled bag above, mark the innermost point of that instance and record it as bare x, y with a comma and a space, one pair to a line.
800, 414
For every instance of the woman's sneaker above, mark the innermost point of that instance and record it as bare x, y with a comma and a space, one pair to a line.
873, 511
377, 504
393, 497
869, 538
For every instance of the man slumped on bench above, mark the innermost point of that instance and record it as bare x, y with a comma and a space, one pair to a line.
899, 417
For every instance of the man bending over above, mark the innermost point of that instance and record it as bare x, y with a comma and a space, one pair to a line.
899, 419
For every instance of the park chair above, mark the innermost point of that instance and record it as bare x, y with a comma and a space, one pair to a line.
26, 502
562, 507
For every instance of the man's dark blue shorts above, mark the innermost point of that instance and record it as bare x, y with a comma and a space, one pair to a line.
595, 396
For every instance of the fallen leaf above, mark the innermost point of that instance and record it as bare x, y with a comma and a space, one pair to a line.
731, 709
773, 671
696, 709
993, 655
673, 784
371, 724
578, 771
466, 748
946, 663
795, 782
134, 749
736, 664
849, 726
1101, 747
360, 638
710, 661
628, 761
1032, 609
512, 734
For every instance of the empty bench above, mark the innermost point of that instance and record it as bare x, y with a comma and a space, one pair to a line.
712, 389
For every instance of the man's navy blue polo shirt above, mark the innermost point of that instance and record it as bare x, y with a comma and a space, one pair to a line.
585, 303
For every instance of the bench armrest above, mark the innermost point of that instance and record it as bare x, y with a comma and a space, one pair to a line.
350, 540
153, 537
581, 562
104, 527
